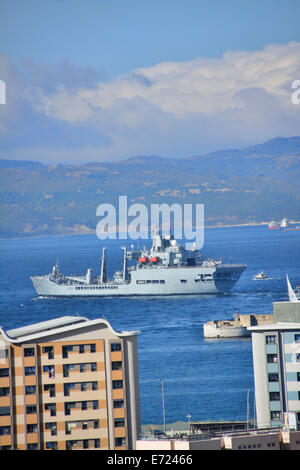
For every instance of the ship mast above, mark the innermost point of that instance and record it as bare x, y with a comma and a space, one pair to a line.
103, 267
124, 264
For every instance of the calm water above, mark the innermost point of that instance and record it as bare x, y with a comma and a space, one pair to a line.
207, 378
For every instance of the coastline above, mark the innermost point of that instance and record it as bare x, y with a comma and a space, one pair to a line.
93, 232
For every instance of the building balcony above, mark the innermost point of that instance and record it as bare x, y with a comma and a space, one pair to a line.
31, 399
120, 432
32, 437
272, 367
5, 400
119, 412
6, 440
117, 375
4, 381
118, 394
116, 356
5, 420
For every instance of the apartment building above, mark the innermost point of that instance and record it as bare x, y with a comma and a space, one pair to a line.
276, 362
69, 383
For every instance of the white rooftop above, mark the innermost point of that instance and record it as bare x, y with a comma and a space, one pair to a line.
57, 325
275, 326
44, 326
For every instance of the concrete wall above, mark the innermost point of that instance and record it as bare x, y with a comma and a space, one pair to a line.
284, 440
255, 442
286, 312
260, 379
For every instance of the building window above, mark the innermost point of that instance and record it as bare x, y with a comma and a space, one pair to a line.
48, 350
31, 428
50, 370
115, 347
116, 365
274, 396
4, 391
31, 409
272, 358
270, 339
30, 370
120, 441
50, 388
4, 410
273, 377
30, 389
4, 430
51, 445
119, 423
52, 427
298, 376
67, 388
118, 403
275, 415
28, 352
65, 350
68, 407
297, 338
51, 407
32, 446
117, 384
4, 372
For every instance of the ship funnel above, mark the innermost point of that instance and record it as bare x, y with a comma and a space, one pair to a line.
103, 267
89, 276
125, 273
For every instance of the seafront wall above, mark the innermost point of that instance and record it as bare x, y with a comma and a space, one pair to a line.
236, 327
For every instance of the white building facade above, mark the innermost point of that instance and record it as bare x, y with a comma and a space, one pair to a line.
276, 362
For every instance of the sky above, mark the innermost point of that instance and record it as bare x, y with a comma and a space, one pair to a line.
105, 80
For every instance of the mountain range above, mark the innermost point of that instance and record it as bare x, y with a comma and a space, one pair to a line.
236, 186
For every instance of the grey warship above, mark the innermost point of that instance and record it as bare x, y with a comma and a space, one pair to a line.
166, 269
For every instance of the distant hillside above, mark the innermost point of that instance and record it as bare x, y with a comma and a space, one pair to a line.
256, 183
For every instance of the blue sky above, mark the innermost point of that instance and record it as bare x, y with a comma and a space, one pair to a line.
117, 36
100, 80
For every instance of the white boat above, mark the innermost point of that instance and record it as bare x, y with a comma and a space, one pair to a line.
260, 275
284, 223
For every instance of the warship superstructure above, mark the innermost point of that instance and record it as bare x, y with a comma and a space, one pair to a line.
166, 269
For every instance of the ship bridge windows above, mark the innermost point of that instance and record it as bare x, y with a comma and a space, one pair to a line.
204, 278
151, 281
96, 287
227, 276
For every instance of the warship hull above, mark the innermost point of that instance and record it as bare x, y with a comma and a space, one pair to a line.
217, 279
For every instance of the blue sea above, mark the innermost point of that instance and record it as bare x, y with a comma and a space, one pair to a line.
208, 379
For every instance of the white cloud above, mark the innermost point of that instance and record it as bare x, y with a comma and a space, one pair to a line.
183, 108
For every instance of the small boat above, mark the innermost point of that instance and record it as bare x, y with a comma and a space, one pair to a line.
284, 223
260, 275
273, 225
